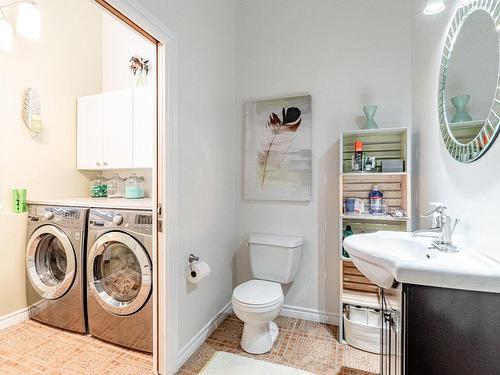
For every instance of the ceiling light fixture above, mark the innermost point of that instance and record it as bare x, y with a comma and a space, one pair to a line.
434, 7
28, 23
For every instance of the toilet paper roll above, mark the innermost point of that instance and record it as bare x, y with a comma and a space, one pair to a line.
197, 272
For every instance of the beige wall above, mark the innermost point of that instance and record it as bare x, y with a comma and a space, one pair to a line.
64, 64
12, 275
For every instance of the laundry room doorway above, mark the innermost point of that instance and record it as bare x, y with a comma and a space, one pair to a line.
164, 173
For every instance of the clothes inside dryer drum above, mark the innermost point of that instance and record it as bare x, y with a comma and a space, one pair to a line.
120, 272
50, 260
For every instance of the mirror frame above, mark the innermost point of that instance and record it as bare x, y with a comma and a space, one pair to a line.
479, 145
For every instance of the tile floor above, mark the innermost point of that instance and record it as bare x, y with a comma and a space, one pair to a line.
301, 344
31, 348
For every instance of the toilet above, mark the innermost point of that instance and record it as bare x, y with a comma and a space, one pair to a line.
274, 260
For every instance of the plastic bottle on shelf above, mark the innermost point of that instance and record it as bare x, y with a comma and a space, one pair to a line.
376, 198
348, 232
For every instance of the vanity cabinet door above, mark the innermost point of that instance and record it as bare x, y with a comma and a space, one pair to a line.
451, 331
117, 118
144, 122
89, 132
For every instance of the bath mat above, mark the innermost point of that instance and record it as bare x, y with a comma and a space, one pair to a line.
223, 363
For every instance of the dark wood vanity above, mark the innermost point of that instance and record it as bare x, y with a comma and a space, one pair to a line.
439, 331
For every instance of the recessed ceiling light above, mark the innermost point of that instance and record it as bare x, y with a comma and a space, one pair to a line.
434, 7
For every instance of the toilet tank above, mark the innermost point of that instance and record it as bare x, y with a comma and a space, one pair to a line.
275, 257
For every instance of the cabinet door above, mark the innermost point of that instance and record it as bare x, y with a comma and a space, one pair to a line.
117, 118
89, 132
144, 122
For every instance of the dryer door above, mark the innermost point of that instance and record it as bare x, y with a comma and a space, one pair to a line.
119, 273
50, 262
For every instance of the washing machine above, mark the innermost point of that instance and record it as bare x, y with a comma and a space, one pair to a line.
55, 261
119, 277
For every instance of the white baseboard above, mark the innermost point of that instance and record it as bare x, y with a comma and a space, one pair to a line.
14, 318
309, 314
188, 350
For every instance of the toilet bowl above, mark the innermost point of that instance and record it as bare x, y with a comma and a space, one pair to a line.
257, 303
274, 260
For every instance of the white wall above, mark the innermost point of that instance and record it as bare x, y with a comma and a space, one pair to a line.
345, 54
469, 190
64, 64
119, 44
206, 121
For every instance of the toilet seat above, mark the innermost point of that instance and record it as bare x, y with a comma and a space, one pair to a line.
258, 294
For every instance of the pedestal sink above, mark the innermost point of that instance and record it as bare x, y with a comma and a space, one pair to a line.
387, 258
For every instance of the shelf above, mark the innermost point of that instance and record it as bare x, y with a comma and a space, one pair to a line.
386, 131
374, 174
373, 217
351, 297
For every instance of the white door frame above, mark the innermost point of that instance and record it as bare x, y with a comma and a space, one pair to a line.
165, 319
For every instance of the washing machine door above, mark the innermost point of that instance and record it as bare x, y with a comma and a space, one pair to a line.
119, 273
50, 262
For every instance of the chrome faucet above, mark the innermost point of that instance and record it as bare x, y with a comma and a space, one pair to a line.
441, 225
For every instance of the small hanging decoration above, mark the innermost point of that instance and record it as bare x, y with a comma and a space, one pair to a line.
32, 117
140, 67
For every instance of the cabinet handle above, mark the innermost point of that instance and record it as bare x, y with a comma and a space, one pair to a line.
105, 164
97, 163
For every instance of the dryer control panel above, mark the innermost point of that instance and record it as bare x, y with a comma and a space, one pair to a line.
136, 221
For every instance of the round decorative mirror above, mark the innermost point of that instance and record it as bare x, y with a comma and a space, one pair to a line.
469, 96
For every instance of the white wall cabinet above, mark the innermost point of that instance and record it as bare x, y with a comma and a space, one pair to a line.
115, 130
143, 128
89, 134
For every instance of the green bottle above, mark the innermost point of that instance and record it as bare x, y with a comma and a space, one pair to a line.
347, 233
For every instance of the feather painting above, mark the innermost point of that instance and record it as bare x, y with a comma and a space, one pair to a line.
281, 135
278, 149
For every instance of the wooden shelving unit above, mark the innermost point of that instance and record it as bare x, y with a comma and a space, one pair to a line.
389, 143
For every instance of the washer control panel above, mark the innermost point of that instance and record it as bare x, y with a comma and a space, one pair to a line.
58, 215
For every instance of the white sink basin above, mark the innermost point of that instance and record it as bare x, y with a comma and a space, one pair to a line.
389, 257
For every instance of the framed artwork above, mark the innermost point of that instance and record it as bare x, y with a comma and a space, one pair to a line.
278, 149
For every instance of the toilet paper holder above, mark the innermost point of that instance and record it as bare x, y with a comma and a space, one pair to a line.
192, 258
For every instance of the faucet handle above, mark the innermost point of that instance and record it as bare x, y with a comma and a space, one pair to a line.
439, 208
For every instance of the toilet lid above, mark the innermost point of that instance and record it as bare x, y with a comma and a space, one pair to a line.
258, 292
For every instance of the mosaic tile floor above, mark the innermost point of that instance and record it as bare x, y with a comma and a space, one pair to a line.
301, 344
31, 348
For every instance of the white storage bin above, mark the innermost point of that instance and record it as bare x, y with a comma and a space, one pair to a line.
358, 314
361, 334
374, 318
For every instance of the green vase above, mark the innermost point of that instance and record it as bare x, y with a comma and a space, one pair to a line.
460, 104
369, 111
